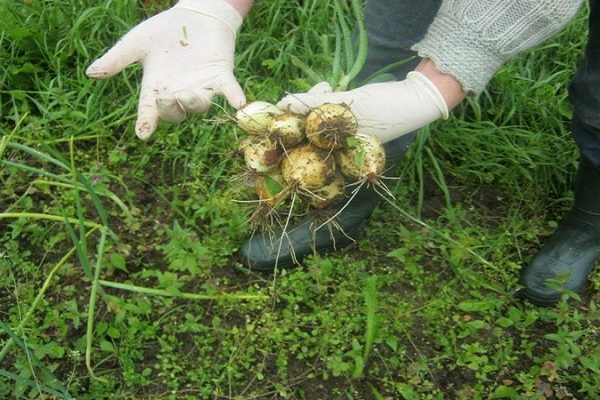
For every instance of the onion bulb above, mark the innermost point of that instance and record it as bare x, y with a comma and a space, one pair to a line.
307, 167
329, 194
261, 154
328, 125
287, 130
362, 158
255, 117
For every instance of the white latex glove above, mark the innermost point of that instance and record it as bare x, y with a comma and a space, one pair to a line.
187, 57
387, 110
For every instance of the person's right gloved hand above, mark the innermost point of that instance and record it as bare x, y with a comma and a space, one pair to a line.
387, 110
187, 57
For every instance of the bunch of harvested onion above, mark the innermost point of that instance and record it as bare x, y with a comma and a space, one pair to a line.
300, 162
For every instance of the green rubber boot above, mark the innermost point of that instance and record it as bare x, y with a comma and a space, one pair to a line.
573, 249
267, 251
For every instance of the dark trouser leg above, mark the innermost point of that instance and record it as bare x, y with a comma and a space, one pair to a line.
574, 249
393, 26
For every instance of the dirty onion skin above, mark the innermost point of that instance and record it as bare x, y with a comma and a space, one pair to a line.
261, 153
254, 118
307, 167
328, 126
363, 160
287, 130
328, 195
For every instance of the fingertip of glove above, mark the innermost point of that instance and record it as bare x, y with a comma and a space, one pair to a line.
321, 88
237, 102
293, 104
144, 129
234, 94
94, 71
143, 134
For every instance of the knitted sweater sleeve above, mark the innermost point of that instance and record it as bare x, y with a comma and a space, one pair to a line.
471, 39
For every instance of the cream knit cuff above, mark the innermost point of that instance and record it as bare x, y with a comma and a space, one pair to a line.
471, 39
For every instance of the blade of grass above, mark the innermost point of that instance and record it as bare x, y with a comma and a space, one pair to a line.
49, 217
81, 182
307, 70
5, 140
372, 325
34, 170
371, 304
439, 177
358, 60
80, 246
346, 36
336, 68
51, 383
182, 295
38, 154
77, 177
42, 388
89, 335
101, 192
40, 295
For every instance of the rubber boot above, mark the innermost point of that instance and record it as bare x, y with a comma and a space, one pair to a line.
573, 249
278, 249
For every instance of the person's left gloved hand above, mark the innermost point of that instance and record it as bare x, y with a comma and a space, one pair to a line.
387, 110
187, 57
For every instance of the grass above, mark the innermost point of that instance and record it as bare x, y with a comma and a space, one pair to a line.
118, 275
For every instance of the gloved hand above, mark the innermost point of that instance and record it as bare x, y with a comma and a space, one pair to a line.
187, 57
387, 110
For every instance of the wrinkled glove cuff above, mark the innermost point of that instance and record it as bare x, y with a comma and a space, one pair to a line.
430, 90
218, 9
